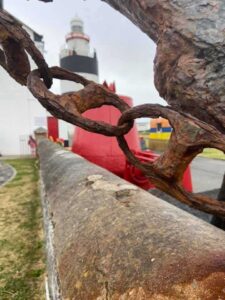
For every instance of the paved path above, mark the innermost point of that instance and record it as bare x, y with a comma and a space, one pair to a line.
207, 177
207, 174
6, 173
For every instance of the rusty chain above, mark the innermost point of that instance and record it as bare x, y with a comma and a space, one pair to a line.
189, 137
70, 106
16, 43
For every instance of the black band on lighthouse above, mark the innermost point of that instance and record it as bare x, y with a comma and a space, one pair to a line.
80, 64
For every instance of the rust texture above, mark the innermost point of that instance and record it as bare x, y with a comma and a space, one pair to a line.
189, 74
189, 69
15, 42
70, 106
190, 135
114, 241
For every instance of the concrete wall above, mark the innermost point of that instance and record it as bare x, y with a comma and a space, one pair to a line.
109, 240
20, 112
20, 115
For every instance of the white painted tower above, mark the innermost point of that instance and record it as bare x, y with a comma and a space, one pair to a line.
77, 57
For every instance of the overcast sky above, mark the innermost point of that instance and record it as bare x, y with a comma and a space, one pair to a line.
125, 54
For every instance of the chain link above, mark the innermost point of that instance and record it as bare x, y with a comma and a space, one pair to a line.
189, 137
70, 106
16, 43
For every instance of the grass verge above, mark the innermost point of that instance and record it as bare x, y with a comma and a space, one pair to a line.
212, 153
22, 264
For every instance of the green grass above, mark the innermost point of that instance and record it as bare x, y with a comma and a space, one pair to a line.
212, 153
22, 264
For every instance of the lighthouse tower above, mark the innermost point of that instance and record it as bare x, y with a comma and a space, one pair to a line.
77, 57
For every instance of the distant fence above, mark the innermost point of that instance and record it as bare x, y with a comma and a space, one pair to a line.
109, 240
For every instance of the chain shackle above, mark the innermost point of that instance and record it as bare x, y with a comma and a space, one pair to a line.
167, 171
189, 137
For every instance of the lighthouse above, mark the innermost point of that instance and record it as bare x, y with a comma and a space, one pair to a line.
77, 57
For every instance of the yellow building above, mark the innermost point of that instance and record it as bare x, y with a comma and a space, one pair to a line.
160, 129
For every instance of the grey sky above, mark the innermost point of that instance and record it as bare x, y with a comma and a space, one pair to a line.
125, 54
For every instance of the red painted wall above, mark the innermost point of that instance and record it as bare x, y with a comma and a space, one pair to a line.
53, 128
101, 150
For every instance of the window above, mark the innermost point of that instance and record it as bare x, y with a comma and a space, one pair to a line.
159, 126
77, 28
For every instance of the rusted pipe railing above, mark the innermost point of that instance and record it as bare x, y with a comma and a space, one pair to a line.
107, 239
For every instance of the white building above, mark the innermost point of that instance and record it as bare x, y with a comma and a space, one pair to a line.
20, 113
143, 126
76, 57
